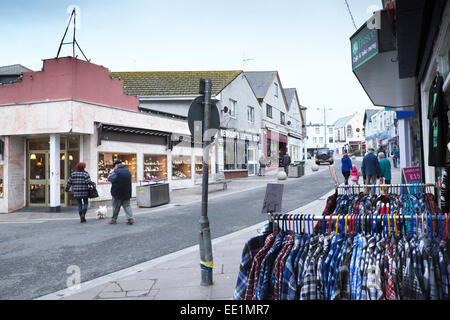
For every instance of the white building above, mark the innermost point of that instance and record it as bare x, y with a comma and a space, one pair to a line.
349, 135
317, 137
380, 129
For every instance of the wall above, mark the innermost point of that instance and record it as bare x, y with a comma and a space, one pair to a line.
68, 78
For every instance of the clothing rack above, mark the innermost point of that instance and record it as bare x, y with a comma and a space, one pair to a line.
293, 220
396, 188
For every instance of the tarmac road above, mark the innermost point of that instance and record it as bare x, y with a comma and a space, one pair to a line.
35, 255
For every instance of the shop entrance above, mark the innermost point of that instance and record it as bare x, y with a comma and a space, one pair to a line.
38, 169
252, 161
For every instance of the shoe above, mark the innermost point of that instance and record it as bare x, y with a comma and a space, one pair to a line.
130, 221
112, 222
83, 215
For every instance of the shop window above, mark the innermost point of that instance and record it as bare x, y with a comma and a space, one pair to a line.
1, 181
106, 160
181, 167
199, 165
155, 167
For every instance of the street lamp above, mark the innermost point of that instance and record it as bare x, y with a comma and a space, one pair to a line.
325, 123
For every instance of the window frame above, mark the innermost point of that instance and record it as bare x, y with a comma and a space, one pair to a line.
269, 107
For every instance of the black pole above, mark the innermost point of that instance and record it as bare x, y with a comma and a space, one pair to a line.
206, 257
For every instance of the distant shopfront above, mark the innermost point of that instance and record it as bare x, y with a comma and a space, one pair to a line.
237, 153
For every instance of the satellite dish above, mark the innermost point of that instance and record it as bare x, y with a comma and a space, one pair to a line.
289, 122
225, 109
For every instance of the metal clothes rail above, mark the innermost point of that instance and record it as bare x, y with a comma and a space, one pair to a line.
391, 188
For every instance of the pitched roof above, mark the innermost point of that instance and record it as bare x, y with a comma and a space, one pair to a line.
369, 113
260, 81
14, 69
289, 93
342, 121
173, 83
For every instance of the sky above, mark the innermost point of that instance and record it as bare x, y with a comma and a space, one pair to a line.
307, 42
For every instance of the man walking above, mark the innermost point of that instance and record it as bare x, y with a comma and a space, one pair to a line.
286, 162
262, 165
370, 168
346, 167
120, 179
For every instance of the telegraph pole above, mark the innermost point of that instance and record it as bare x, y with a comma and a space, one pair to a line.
206, 258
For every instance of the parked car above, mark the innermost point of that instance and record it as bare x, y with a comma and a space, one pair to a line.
324, 155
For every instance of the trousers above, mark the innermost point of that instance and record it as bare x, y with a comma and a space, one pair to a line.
117, 203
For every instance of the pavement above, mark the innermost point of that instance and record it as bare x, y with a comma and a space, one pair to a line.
177, 276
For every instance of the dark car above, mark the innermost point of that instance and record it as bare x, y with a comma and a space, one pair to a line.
324, 155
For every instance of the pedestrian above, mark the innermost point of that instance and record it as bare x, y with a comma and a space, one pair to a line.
380, 149
354, 175
120, 179
385, 168
395, 156
370, 168
80, 181
262, 165
286, 161
346, 167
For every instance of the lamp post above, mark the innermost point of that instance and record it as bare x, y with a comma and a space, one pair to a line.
325, 123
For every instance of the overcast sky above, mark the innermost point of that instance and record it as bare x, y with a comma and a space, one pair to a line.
307, 42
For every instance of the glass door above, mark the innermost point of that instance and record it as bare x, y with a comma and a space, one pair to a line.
38, 182
252, 163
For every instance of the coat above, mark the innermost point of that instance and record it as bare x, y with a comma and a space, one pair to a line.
354, 174
346, 164
120, 180
286, 160
385, 169
79, 181
370, 165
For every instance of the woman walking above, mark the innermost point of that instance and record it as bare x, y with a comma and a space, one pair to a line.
79, 180
346, 167
385, 168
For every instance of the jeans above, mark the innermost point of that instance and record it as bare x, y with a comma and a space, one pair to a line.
346, 175
117, 203
82, 203
395, 162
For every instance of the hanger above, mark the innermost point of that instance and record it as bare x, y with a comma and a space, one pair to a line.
446, 226
323, 224
431, 225
308, 224
345, 225
423, 232
440, 225
329, 227
337, 223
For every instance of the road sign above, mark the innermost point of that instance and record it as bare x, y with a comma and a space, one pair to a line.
196, 116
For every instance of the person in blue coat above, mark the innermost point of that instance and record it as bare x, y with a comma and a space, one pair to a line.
370, 167
346, 167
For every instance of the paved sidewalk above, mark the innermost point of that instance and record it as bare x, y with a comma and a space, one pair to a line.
177, 276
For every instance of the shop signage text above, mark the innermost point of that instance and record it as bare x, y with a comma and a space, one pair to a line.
364, 46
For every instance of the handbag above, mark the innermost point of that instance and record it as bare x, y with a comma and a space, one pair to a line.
92, 192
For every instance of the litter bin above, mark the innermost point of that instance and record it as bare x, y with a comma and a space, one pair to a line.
301, 166
152, 195
293, 171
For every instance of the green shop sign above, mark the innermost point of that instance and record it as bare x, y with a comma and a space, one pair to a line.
364, 46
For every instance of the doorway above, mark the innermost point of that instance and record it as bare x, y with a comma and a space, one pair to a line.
252, 161
38, 169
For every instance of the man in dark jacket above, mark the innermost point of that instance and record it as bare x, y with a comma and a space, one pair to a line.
286, 162
346, 167
370, 168
120, 179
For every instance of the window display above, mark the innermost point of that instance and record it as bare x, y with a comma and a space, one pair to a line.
1, 181
155, 167
181, 167
199, 165
106, 160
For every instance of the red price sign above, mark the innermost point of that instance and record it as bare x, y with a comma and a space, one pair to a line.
412, 175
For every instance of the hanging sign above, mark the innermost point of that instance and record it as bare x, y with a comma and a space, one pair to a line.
412, 175
364, 46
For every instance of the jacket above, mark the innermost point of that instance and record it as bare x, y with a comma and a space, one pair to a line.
354, 174
346, 164
120, 180
370, 165
79, 181
385, 169
286, 160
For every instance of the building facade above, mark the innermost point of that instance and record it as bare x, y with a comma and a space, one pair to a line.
316, 137
349, 135
380, 127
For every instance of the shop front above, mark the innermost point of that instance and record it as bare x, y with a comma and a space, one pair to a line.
237, 153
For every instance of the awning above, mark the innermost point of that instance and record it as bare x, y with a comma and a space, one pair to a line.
272, 135
375, 64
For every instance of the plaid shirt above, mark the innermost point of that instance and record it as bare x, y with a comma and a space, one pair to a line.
410, 288
320, 259
444, 262
342, 287
368, 253
251, 248
355, 272
290, 272
296, 282
280, 262
256, 266
334, 266
264, 288
308, 287
79, 181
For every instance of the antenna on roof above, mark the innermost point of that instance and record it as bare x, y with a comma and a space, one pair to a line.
245, 60
74, 41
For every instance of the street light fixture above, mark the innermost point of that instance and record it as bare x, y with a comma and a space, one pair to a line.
325, 123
